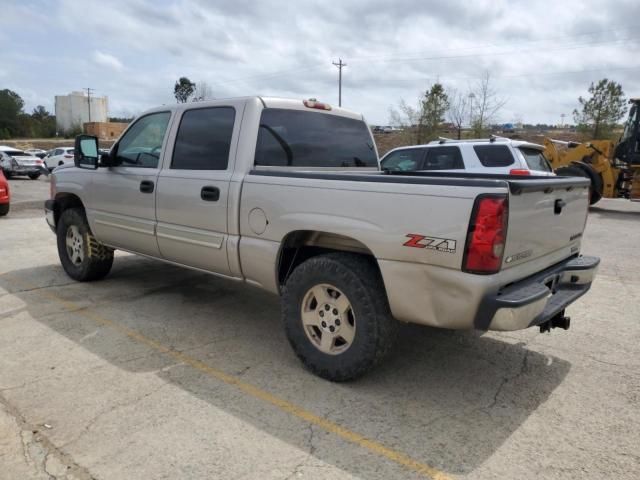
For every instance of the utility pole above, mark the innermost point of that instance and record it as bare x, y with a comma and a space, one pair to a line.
89, 100
339, 65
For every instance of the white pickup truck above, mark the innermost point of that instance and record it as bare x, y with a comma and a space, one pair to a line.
287, 195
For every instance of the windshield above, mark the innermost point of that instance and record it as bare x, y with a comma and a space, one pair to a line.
629, 127
313, 139
535, 160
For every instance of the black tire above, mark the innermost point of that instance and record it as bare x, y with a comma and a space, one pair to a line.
4, 209
96, 260
357, 277
34, 176
583, 170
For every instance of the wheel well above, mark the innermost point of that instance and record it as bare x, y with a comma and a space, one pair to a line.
64, 201
301, 245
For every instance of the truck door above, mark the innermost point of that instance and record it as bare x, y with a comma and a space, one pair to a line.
193, 188
122, 200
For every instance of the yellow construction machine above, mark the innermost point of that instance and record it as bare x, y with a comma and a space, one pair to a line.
613, 169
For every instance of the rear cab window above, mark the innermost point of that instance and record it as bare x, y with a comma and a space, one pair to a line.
494, 155
535, 159
295, 138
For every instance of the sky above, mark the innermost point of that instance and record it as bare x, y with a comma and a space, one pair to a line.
540, 55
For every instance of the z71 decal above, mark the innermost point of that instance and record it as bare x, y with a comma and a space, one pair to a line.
430, 243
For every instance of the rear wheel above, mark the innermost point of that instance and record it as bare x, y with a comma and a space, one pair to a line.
584, 170
336, 315
34, 176
82, 256
4, 209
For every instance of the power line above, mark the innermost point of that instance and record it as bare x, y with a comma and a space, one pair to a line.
435, 57
340, 66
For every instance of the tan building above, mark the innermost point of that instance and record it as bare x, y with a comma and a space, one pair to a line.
105, 130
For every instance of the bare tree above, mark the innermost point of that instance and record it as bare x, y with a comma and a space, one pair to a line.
458, 107
409, 119
202, 92
487, 103
422, 123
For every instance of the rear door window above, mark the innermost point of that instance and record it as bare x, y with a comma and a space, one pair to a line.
494, 155
535, 160
403, 160
204, 139
297, 138
443, 158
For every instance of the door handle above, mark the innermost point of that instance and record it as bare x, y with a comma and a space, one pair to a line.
558, 206
210, 193
146, 186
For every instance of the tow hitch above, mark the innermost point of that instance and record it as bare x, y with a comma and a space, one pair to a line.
559, 321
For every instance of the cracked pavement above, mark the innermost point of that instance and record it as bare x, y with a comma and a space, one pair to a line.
80, 399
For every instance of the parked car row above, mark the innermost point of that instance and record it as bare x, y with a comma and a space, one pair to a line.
16, 162
34, 161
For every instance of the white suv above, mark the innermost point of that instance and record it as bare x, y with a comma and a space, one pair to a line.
494, 155
59, 156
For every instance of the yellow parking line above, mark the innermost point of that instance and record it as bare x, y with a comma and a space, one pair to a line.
253, 391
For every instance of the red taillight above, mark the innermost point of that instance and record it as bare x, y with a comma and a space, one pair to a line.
519, 171
313, 103
487, 235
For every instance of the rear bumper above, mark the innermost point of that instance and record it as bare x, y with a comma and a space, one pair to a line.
539, 298
27, 170
50, 214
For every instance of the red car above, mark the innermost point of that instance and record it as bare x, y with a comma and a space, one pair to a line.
4, 195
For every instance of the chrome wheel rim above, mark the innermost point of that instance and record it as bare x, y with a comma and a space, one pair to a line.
328, 319
75, 245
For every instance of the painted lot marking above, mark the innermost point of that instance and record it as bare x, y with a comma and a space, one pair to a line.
390, 454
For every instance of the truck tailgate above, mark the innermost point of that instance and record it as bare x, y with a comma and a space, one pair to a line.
545, 216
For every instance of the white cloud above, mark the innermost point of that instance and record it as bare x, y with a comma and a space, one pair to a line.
394, 49
107, 60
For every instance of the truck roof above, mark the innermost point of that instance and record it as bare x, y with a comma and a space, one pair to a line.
267, 102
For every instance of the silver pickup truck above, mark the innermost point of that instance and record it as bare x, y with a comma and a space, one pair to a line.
287, 195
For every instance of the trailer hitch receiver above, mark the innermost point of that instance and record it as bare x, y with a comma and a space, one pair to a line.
558, 321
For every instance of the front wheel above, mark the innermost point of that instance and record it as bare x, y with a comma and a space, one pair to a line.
82, 256
336, 315
4, 209
34, 176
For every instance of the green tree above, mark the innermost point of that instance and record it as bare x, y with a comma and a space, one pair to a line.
422, 123
183, 89
10, 108
599, 113
435, 104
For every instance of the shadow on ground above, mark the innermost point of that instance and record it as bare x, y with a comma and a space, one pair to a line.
448, 399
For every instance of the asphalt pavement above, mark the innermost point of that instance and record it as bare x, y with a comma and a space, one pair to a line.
160, 372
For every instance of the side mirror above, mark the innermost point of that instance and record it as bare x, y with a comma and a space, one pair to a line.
85, 153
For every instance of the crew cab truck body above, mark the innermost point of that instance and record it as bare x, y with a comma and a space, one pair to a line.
287, 195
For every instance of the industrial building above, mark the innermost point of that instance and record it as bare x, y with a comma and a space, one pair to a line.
105, 131
78, 108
